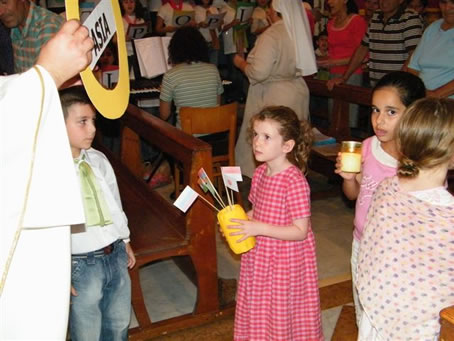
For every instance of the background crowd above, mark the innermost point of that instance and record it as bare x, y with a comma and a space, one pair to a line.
365, 39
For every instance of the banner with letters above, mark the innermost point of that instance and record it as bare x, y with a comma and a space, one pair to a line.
101, 26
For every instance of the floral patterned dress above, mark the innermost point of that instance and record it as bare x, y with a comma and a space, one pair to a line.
406, 264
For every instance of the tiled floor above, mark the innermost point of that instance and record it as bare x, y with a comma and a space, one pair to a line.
169, 293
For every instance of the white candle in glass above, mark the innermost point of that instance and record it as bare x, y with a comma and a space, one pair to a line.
351, 156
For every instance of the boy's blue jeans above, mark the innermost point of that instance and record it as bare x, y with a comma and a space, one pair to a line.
102, 308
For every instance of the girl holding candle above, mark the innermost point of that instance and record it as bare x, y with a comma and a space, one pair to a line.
390, 97
277, 296
405, 273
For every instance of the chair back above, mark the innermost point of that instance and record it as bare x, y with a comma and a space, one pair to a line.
212, 120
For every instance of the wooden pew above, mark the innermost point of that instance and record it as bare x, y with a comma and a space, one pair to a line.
158, 229
342, 96
323, 158
447, 324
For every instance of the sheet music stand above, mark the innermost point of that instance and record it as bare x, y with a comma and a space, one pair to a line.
140, 82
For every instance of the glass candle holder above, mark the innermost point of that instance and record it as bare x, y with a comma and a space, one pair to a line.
351, 156
224, 216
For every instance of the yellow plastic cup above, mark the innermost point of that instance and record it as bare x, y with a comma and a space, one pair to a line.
351, 156
224, 216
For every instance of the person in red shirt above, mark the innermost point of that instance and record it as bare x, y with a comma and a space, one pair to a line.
345, 32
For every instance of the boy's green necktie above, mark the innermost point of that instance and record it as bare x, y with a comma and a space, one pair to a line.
96, 210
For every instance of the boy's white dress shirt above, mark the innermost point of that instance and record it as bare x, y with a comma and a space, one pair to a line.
97, 237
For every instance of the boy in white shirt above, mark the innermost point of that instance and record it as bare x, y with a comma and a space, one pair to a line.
101, 253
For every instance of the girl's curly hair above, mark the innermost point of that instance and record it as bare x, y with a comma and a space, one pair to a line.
291, 128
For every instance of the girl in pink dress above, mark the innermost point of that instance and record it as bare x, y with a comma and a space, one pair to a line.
278, 296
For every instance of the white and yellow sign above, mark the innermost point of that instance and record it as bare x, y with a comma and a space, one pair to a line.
101, 27
181, 18
137, 31
102, 23
109, 78
214, 21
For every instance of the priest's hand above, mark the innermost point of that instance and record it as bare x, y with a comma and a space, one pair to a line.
67, 53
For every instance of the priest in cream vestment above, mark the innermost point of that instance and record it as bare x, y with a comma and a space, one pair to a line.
38, 192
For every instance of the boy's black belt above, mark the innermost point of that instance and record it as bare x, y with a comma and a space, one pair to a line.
107, 250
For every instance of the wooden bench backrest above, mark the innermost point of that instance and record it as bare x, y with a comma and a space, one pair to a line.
447, 324
191, 152
342, 96
158, 229
212, 120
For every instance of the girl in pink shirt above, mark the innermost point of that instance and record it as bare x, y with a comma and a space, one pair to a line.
390, 97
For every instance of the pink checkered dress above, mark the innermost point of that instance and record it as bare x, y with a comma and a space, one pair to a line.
277, 296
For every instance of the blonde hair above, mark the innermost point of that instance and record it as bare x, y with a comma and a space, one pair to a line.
425, 136
290, 128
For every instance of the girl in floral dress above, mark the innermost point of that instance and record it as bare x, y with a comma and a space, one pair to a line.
278, 296
405, 265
